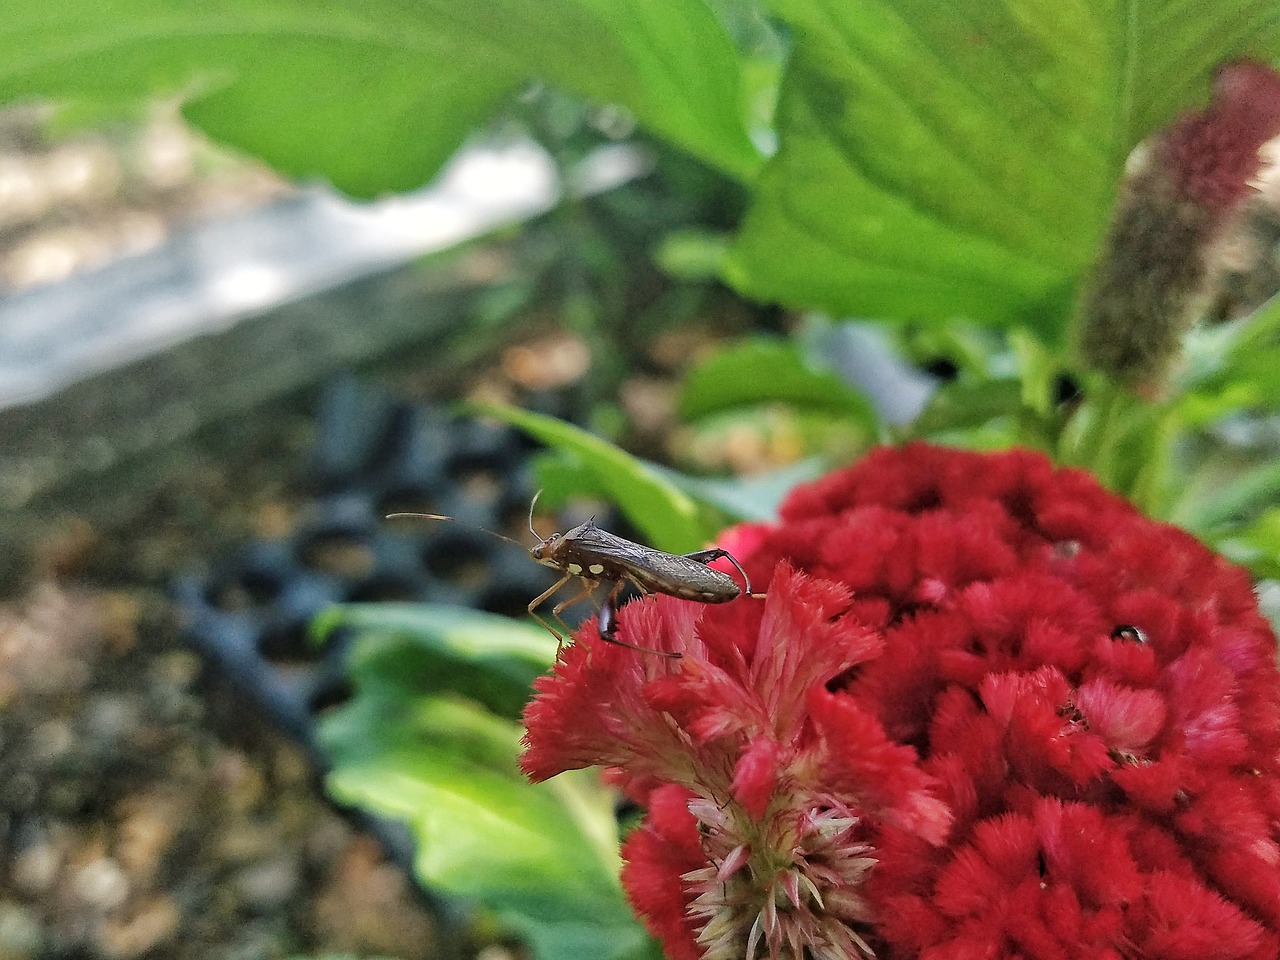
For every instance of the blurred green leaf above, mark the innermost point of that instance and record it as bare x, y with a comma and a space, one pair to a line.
1038, 370
1256, 546
374, 96
1122, 440
692, 255
668, 517
1252, 383
960, 160
765, 370
543, 858
963, 404
1248, 491
981, 353
434, 648
1232, 367
754, 498
561, 476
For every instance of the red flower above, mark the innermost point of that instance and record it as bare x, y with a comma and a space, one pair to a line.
764, 847
986, 710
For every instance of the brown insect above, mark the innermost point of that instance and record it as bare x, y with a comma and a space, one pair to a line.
594, 556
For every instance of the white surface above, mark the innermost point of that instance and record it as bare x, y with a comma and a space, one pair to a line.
206, 279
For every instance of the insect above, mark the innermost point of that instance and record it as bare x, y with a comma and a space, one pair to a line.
595, 556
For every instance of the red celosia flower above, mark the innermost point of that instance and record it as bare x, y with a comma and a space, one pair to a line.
986, 710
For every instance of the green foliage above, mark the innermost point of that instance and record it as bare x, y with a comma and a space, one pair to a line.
418, 744
1257, 545
959, 160
437, 649
1166, 454
1231, 501
933, 162
375, 95
767, 370
667, 516
754, 498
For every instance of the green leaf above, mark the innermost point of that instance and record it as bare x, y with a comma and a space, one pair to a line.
1257, 546
1038, 370
543, 858
977, 352
692, 255
668, 517
376, 95
960, 159
765, 370
562, 476
1232, 367
965, 404
668, 61
369, 96
754, 498
1250, 383
434, 648
1230, 500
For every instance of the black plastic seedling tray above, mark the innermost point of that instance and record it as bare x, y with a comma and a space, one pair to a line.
249, 614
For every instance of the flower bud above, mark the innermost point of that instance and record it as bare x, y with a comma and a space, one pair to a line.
1185, 191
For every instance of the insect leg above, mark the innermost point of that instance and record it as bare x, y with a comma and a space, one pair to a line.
715, 553
608, 625
540, 598
587, 587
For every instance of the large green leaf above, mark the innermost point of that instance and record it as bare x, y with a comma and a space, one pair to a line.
667, 516
767, 370
960, 159
749, 499
543, 858
375, 94
435, 648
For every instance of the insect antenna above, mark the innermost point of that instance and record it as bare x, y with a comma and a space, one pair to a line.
464, 523
533, 503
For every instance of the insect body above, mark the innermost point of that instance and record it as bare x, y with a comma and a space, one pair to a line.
595, 556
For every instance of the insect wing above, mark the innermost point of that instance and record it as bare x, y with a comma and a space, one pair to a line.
682, 577
590, 540
653, 570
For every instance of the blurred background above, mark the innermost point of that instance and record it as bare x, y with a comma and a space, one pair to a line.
198, 354
257, 291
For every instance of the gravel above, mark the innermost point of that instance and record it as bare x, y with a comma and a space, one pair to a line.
145, 813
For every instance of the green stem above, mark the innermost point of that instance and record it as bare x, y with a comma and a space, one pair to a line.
1151, 487
1090, 438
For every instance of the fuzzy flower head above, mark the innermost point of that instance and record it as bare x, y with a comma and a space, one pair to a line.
1186, 191
986, 710
750, 766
